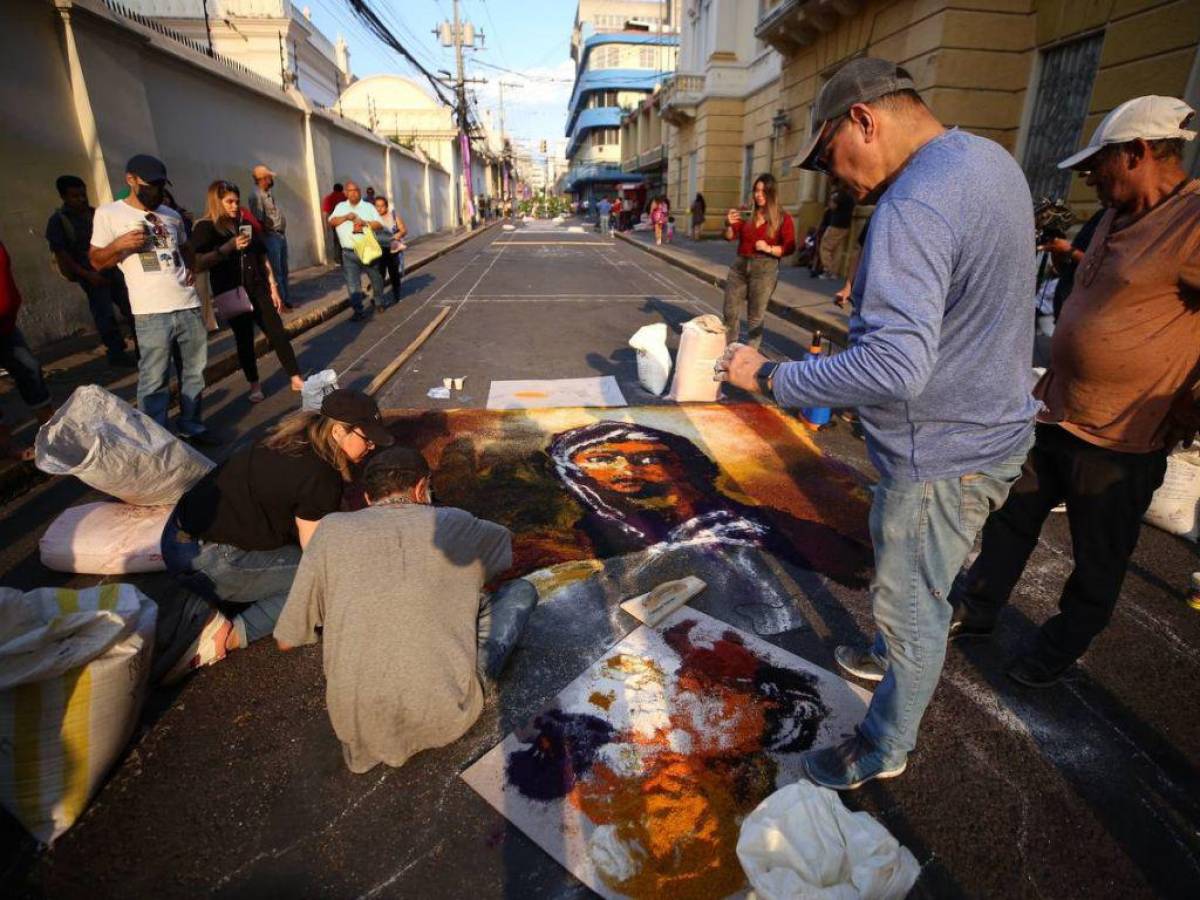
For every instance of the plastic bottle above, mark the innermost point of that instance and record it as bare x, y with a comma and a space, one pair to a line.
815, 417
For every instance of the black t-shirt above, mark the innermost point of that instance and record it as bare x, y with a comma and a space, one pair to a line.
843, 211
71, 231
225, 276
253, 498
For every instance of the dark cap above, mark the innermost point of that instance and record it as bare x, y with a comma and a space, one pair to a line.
357, 409
148, 168
858, 81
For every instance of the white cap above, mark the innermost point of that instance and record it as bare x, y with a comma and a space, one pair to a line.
1148, 118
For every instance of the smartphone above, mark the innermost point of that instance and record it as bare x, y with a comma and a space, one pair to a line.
246, 230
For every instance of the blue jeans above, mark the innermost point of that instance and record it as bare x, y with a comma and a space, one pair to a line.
353, 269
502, 618
277, 253
922, 532
258, 581
22, 365
156, 332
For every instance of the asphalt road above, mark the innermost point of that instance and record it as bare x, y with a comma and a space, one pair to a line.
235, 784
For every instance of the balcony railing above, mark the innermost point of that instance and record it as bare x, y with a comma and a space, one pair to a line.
795, 24
678, 97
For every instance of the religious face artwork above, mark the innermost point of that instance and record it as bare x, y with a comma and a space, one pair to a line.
638, 774
591, 485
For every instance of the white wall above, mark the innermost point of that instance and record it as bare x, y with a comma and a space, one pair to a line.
147, 94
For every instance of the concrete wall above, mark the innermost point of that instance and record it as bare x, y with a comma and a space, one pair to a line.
95, 89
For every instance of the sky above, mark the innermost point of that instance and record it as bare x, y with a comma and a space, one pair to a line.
530, 37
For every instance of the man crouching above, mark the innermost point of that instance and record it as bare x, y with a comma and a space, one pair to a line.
408, 633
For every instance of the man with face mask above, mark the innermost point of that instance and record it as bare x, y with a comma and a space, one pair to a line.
937, 367
145, 239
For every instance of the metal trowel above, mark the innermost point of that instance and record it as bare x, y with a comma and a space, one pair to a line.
655, 605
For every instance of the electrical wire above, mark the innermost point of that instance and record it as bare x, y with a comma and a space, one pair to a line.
381, 31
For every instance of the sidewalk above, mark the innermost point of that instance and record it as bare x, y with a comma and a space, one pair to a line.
318, 294
802, 300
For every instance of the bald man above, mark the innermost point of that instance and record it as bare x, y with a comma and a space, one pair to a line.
349, 219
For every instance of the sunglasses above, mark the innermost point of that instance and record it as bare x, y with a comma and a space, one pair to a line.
820, 157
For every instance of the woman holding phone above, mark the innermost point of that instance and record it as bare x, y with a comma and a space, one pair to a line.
763, 240
243, 285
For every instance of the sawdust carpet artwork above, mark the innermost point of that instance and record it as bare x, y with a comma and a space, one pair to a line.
637, 776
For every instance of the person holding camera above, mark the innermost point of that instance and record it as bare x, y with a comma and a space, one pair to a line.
349, 219
244, 285
762, 242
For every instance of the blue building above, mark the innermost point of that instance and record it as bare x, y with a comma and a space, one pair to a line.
614, 71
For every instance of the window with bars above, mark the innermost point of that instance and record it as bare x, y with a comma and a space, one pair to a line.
1060, 107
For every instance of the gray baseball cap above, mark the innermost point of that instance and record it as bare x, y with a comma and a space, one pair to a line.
858, 81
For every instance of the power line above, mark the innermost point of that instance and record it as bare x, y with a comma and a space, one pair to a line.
480, 62
384, 34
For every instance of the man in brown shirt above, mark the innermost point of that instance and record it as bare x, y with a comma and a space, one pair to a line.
1122, 388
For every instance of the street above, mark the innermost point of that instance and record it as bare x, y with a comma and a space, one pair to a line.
235, 786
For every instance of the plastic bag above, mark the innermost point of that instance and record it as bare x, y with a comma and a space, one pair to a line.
366, 247
700, 346
73, 671
106, 539
109, 445
316, 387
653, 357
802, 842
1175, 507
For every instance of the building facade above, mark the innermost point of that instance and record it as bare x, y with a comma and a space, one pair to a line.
273, 38
622, 51
1034, 75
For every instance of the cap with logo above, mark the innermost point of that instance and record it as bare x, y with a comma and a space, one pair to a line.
357, 409
149, 169
1148, 118
858, 81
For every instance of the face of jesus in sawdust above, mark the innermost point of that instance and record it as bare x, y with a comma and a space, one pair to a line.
634, 468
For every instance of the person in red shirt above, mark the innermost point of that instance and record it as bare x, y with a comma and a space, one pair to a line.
765, 239
17, 359
332, 199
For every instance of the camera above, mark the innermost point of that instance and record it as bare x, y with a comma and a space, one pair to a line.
1051, 219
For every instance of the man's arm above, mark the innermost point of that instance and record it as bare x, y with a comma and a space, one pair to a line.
304, 610
107, 251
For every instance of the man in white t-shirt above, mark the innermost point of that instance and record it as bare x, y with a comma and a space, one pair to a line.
349, 219
146, 240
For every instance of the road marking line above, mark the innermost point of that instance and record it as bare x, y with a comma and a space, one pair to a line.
509, 243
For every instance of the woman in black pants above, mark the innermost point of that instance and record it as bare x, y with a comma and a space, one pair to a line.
236, 261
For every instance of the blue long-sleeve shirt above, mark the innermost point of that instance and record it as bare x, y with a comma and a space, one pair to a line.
941, 334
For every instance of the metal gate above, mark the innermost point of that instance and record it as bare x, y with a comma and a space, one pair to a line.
1064, 90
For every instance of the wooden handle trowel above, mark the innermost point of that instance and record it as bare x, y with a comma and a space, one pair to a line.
654, 606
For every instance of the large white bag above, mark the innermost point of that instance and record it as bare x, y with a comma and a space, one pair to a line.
73, 670
1175, 507
801, 842
701, 344
653, 357
106, 539
109, 445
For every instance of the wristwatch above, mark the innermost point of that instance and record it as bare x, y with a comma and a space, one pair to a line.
765, 378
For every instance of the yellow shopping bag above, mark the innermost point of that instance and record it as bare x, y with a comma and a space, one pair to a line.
367, 247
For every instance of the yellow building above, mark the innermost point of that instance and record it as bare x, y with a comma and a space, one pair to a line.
1035, 75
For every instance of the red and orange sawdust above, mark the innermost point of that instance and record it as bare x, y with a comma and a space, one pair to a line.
602, 700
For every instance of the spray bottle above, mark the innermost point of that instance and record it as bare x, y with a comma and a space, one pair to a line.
815, 417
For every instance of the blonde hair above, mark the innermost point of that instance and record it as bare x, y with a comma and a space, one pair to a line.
213, 210
309, 428
774, 210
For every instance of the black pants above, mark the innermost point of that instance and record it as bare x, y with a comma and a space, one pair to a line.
1106, 493
389, 267
243, 334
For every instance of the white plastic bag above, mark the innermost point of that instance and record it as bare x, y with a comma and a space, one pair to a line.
653, 357
1175, 507
73, 670
105, 539
701, 344
109, 445
801, 842
316, 387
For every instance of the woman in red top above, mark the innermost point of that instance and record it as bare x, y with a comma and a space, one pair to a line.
762, 242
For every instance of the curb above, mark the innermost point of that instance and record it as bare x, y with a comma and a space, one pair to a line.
836, 329
17, 478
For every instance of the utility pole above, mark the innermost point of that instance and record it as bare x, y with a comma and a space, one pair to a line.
505, 149
459, 34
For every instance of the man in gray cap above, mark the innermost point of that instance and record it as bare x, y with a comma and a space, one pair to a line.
145, 238
1122, 388
938, 368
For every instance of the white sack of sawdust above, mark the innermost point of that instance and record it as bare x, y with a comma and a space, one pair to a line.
801, 842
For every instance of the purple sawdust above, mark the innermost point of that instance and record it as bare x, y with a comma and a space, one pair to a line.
562, 747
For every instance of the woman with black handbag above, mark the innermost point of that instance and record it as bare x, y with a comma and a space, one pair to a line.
243, 285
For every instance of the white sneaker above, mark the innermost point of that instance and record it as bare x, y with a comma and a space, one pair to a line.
208, 648
859, 663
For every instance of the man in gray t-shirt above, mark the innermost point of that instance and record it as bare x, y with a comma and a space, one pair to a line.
408, 634
264, 208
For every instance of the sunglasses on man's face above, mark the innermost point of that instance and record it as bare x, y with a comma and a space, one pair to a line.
820, 157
